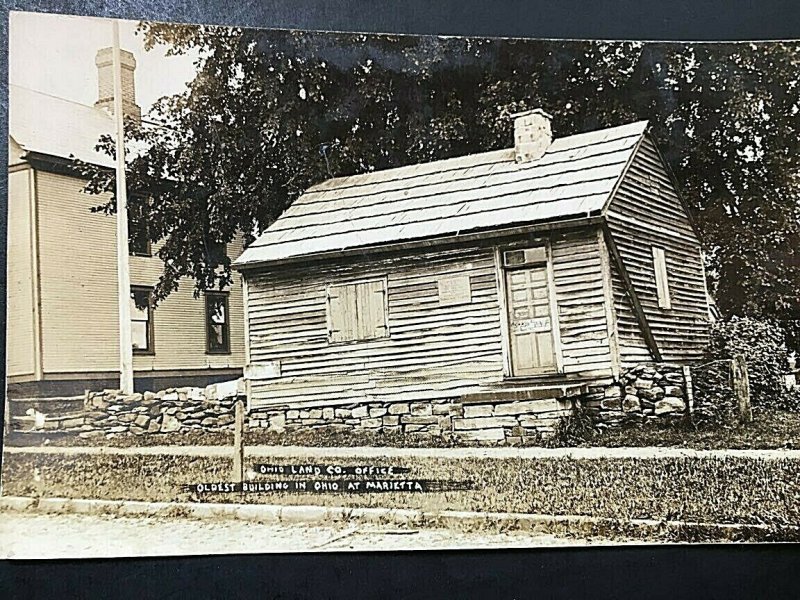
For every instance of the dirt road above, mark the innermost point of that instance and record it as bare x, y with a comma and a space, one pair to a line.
24, 535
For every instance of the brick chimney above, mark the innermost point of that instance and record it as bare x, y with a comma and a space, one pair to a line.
532, 134
105, 82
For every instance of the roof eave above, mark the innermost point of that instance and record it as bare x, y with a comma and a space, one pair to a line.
566, 222
52, 162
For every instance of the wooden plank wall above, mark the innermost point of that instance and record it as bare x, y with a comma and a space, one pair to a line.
580, 297
431, 351
646, 212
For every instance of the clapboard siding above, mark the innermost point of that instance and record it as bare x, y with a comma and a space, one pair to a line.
432, 351
578, 278
179, 322
288, 323
78, 278
20, 327
77, 254
645, 213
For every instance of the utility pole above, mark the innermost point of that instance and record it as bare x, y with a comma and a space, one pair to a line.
123, 266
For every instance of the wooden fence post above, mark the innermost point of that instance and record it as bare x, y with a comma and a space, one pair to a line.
741, 388
238, 443
6, 415
687, 379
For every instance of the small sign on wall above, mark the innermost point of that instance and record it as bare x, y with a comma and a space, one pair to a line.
266, 370
455, 289
531, 325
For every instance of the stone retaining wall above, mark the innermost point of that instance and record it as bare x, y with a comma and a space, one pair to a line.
109, 412
646, 391
181, 409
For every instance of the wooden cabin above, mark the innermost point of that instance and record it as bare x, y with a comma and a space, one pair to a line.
518, 273
62, 319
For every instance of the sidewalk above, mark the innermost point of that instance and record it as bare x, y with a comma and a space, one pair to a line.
465, 521
389, 452
26, 535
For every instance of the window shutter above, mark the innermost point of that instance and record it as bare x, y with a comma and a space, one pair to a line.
341, 316
662, 281
357, 311
371, 304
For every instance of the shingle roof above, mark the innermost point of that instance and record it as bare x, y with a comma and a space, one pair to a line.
449, 197
54, 126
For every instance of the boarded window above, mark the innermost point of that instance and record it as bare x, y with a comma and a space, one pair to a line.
217, 324
357, 311
142, 320
662, 281
454, 289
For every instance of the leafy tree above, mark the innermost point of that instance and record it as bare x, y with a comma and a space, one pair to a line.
273, 112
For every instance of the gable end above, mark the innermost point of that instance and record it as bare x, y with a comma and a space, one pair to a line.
648, 195
645, 216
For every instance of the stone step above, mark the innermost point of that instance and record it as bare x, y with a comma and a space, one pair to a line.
48, 406
70, 420
519, 392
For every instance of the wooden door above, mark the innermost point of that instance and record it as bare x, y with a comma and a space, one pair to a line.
530, 323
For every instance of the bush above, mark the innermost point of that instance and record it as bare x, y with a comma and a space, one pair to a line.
714, 399
791, 399
575, 429
763, 344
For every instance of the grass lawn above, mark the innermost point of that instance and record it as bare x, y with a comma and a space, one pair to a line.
770, 429
728, 490
718, 489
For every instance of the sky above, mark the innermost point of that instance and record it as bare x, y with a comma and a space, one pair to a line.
55, 54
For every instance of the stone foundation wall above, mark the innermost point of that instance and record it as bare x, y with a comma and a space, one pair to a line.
498, 422
646, 391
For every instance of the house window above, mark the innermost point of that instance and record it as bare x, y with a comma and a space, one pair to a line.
662, 281
142, 320
216, 252
357, 311
138, 229
218, 339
